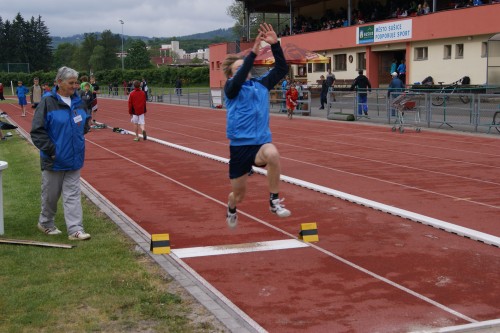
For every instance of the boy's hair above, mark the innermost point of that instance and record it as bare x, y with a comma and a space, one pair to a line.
137, 84
86, 84
84, 78
19, 82
228, 62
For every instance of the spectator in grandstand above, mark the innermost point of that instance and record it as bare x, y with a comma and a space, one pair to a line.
426, 8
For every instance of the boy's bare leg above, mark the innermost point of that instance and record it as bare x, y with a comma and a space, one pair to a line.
269, 155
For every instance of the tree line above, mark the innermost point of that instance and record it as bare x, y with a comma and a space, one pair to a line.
23, 41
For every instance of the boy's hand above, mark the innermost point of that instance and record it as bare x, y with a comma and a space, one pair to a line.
268, 34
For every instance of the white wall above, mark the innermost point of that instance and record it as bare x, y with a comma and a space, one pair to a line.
473, 64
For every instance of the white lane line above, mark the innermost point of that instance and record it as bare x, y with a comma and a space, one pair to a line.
400, 166
474, 327
439, 224
202, 251
394, 183
345, 261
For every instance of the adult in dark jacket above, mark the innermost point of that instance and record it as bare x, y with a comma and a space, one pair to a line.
247, 101
58, 129
362, 85
396, 85
324, 92
178, 87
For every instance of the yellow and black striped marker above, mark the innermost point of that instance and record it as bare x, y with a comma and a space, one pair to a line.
309, 232
160, 244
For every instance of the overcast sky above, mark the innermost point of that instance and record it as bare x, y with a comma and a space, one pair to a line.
151, 18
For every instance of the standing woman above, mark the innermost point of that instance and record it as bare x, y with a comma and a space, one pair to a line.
247, 101
59, 123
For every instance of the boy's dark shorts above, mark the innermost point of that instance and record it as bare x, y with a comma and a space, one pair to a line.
242, 159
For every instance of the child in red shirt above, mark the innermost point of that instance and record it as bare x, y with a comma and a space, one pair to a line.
291, 96
137, 109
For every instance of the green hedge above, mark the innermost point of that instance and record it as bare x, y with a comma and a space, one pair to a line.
164, 76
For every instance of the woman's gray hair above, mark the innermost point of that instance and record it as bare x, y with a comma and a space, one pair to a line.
64, 73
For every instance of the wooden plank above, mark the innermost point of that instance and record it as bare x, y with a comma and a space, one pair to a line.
35, 243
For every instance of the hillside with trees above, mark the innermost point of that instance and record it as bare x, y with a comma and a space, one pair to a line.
28, 41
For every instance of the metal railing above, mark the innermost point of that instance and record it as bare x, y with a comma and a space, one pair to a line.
466, 110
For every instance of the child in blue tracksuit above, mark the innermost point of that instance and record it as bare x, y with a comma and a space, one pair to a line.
21, 92
247, 102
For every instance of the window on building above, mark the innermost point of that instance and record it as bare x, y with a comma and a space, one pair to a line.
309, 68
421, 53
301, 71
340, 62
484, 49
319, 68
218, 64
459, 51
447, 52
361, 61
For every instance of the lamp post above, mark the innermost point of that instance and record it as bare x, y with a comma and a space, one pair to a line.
123, 67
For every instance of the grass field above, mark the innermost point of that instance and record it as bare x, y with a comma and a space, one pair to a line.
101, 285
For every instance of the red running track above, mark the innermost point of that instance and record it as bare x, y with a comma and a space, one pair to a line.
370, 271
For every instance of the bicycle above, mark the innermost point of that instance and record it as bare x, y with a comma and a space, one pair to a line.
445, 92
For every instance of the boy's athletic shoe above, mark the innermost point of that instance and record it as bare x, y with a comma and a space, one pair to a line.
231, 218
279, 209
144, 135
136, 138
79, 235
49, 231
